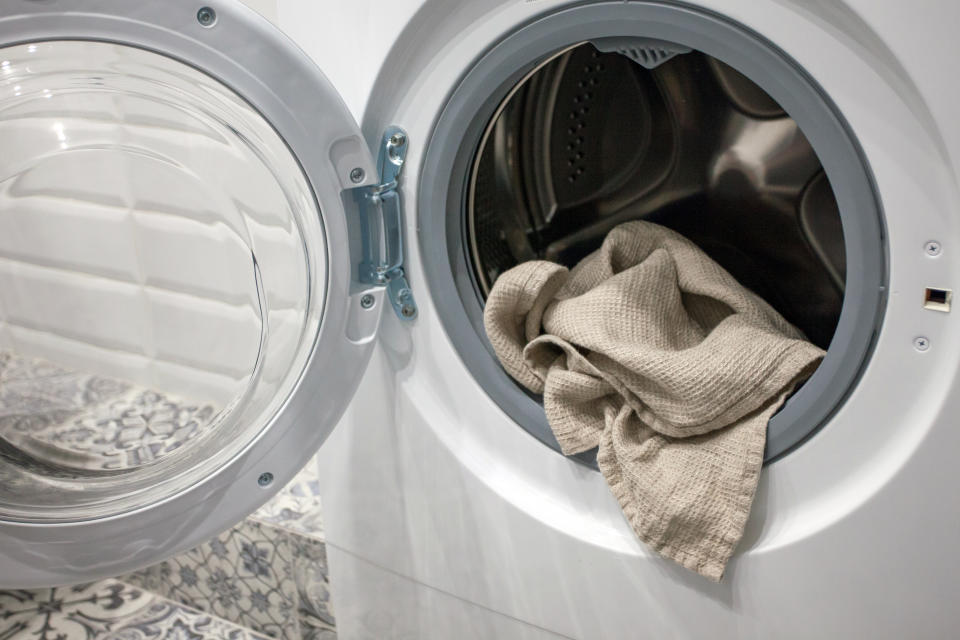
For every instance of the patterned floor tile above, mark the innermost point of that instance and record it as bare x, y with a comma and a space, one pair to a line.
297, 506
268, 573
315, 610
107, 610
245, 575
316, 629
67, 420
165, 620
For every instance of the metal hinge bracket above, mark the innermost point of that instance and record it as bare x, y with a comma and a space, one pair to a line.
381, 226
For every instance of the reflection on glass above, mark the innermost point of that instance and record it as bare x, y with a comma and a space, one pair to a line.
161, 277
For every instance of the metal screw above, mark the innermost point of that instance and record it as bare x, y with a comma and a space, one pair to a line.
921, 343
265, 479
932, 248
367, 300
397, 139
407, 311
357, 175
206, 16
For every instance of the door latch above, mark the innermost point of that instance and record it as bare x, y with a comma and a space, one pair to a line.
381, 227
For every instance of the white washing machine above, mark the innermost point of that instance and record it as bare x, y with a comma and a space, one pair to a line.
194, 220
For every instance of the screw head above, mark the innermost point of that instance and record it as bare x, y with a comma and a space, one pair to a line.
367, 300
407, 311
357, 175
932, 248
398, 139
206, 16
265, 479
921, 343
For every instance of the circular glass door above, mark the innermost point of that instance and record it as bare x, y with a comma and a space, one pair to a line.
162, 277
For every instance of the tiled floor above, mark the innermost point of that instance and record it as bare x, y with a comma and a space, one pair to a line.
69, 420
107, 610
297, 507
268, 573
265, 577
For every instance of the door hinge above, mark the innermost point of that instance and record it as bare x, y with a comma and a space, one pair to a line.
381, 227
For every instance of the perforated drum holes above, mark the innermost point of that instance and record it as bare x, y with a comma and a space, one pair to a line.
937, 299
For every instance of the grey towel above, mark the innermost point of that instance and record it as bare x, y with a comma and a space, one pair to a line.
653, 352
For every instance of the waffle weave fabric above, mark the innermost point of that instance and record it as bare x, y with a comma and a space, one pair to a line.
651, 351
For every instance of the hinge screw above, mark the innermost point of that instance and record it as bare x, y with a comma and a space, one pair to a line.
367, 300
921, 343
932, 248
407, 311
357, 175
206, 16
397, 139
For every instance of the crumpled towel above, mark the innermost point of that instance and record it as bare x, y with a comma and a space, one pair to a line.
653, 352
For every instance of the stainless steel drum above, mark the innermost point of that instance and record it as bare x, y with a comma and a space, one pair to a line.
592, 139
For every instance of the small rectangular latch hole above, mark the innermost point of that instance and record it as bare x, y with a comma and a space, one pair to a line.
937, 299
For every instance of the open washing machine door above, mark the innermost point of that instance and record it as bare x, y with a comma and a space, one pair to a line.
191, 230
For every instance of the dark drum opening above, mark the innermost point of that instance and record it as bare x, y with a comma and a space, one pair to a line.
591, 139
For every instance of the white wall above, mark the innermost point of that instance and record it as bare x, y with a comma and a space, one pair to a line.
348, 39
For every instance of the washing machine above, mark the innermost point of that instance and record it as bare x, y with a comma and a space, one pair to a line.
209, 261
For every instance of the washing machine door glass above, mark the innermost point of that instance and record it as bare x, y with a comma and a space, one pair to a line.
175, 274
